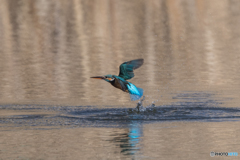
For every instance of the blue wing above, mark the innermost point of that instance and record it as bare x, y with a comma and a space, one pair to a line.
135, 92
126, 69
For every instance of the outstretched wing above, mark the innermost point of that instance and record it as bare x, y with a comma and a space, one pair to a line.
126, 69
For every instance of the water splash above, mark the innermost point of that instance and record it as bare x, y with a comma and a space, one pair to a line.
140, 108
190, 107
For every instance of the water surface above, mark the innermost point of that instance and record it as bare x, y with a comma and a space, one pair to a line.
51, 109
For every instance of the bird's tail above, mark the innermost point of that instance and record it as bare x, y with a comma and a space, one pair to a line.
135, 92
135, 97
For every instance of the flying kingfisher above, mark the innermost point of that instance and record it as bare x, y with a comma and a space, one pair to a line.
125, 73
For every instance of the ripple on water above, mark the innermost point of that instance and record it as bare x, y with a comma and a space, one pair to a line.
204, 109
120, 117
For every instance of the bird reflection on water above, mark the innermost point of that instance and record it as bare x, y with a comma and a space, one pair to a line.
129, 142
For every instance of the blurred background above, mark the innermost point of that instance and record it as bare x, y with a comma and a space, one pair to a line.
49, 49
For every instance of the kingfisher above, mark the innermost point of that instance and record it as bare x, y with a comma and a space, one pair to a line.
125, 73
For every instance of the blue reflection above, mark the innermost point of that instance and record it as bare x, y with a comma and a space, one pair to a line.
135, 132
129, 141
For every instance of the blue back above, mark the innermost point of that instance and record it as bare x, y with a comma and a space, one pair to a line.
135, 92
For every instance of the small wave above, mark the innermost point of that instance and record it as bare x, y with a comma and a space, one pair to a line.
79, 116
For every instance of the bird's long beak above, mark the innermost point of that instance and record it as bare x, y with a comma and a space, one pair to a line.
98, 77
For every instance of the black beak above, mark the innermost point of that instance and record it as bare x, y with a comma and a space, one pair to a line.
98, 77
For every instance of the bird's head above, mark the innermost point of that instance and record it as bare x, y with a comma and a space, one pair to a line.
107, 78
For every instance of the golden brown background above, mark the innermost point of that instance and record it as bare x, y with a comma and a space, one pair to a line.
49, 49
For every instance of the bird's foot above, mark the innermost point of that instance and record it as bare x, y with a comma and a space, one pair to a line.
140, 104
141, 100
